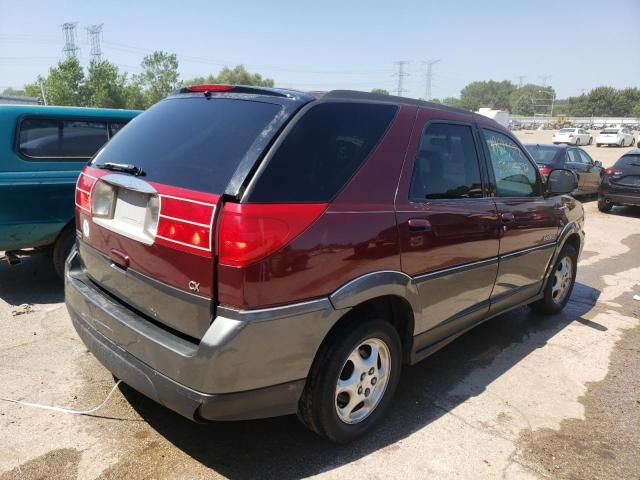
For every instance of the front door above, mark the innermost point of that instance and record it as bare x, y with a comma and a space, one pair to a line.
529, 221
448, 226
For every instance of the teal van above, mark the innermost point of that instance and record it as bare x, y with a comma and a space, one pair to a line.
42, 150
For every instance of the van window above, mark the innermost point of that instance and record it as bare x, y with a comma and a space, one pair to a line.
52, 138
446, 165
322, 152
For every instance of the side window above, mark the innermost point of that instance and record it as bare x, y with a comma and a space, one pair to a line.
51, 138
322, 152
515, 175
586, 159
82, 139
115, 127
574, 156
446, 165
39, 138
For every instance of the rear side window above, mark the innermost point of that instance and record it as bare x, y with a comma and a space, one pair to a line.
191, 142
322, 152
50, 138
515, 175
446, 165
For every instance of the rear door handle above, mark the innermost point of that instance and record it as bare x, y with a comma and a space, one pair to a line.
419, 225
507, 217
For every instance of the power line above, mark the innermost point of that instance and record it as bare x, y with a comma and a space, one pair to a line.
401, 74
94, 32
70, 48
429, 77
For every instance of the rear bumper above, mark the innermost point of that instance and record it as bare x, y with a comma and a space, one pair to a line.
621, 198
249, 364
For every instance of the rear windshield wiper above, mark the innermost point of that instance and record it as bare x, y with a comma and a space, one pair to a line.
635, 164
121, 167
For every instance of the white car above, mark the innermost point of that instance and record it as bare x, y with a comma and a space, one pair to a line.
621, 137
573, 136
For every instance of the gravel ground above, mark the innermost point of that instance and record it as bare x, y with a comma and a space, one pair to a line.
521, 396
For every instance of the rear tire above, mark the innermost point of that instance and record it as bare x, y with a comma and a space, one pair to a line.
598, 145
604, 207
560, 282
342, 398
578, 141
62, 248
590, 140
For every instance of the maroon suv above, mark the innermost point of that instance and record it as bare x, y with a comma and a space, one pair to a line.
246, 252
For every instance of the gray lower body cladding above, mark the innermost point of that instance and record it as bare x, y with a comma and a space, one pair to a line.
249, 364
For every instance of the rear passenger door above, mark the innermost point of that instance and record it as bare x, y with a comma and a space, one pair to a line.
448, 226
574, 162
529, 221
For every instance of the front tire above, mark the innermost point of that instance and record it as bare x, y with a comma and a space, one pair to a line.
590, 140
62, 248
559, 284
352, 381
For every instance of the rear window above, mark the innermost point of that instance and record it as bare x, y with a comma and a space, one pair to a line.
51, 138
543, 155
609, 131
628, 161
322, 152
567, 130
191, 142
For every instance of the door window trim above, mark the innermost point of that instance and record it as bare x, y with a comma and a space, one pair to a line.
487, 153
61, 118
481, 167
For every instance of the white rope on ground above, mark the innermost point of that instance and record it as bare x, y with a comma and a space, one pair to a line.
65, 410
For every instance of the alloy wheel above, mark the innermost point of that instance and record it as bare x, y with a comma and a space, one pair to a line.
562, 280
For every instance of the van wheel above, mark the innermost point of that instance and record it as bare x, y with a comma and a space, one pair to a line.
559, 284
62, 248
352, 381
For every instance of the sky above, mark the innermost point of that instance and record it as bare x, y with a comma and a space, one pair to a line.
327, 44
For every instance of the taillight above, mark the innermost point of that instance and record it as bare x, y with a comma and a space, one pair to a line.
210, 88
102, 200
545, 171
84, 186
250, 232
613, 171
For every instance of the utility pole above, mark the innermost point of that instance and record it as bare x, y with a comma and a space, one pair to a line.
42, 92
70, 48
544, 79
94, 32
429, 77
520, 80
401, 74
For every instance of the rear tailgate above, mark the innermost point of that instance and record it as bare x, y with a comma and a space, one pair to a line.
148, 238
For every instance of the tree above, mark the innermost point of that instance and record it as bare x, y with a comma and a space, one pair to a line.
159, 76
105, 86
490, 94
531, 99
236, 76
636, 110
134, 96
451, 101
380, 91
13, 92
63, 85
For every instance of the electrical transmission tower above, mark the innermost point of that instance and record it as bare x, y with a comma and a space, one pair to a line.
429, 77
401, 74
70, 48
544, 79
94, 32
520, 80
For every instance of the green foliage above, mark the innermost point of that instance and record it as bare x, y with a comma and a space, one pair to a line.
63, 84
490, 94
159, 76
451, 101
13, 92
531, 99
236, 76
105, 86
380, 91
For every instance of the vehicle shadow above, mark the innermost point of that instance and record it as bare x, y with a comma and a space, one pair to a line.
34, 281
631, 212
283, 448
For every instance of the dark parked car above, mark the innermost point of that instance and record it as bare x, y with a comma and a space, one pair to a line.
269, 252
621, 183
549, 157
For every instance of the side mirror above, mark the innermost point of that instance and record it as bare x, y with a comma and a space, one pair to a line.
561, 181
598, 163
